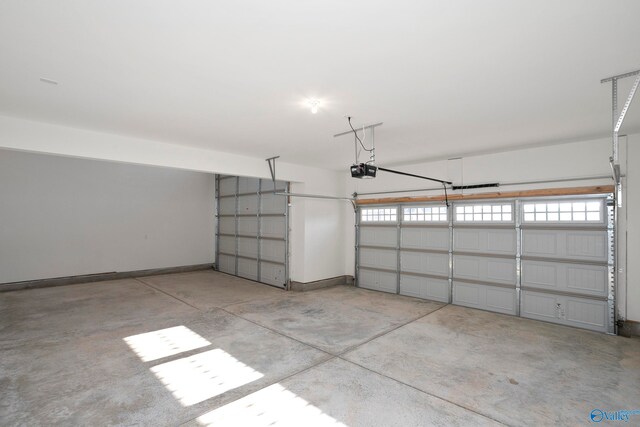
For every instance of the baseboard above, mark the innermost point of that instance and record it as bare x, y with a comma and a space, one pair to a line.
629, 328
100, 277
319, 284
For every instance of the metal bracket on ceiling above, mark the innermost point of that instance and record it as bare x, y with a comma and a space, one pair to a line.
363, 129
617, 120
272, 169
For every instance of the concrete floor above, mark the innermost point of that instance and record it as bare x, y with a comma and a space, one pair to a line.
205, 348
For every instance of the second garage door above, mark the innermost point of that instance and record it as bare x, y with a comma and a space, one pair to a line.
546, 259
252, 237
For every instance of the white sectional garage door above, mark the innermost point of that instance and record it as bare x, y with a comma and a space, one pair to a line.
424, 253
379, 250
566, 262
549, 260
252, 230
484, 256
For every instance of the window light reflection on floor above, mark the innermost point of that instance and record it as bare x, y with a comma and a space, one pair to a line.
165, 342
197, 378
272, 406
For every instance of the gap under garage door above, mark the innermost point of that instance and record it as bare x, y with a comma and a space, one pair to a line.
252, 229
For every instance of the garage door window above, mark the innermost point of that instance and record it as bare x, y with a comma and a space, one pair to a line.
484, 213
421, 214
574, 211
379, 215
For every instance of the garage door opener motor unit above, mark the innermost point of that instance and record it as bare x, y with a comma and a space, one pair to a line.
363, 170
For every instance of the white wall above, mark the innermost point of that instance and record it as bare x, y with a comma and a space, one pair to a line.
571, 160
553, 162
323, 252
63, 216
632, 207
26, 135
316, 238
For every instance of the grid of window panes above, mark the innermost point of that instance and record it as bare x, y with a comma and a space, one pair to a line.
580, 211
379, 214
433, 213
484, 213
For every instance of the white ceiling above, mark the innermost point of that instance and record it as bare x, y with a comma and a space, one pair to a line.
446, 77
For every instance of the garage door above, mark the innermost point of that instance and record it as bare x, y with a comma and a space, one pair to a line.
566, 265
252, 234
424, 252
378, 249
484, 256
546, 259
405, 251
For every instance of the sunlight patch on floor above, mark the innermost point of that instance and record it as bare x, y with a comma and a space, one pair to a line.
271, 406
165, 342
197, 378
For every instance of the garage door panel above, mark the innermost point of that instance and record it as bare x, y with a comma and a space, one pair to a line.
486, 241
273, 274
227, 206
227, 225
378, 258
587, 245
485, 297
566, 244
587, 279
425, 263
248, 247
248, 268
227, 264
501, 300
576, 278
273, 227
539, 306
227, 187
273, 204
273, 250
566, 310
227, 244
587, 313
497, 270
424, 287
431, 238
377, 280
248, 185
247, 205
379, 236
248, 225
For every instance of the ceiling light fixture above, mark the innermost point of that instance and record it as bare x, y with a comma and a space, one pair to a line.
314, 104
